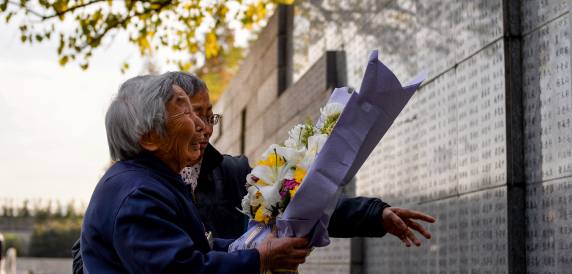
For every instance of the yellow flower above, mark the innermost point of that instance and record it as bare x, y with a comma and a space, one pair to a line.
273, 160
293, 191
261, 182
260, 217
299, 174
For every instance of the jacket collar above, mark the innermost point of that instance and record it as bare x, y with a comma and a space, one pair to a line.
156, 165
211, 160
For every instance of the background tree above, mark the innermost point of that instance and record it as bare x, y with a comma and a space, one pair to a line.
41, 231
54, 238
193, 31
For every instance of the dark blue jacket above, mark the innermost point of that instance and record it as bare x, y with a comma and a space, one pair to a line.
141, 219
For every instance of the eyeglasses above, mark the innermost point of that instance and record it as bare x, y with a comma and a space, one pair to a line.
213, 119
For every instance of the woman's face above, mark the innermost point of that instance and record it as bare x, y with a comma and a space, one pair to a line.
184, 132
204, 109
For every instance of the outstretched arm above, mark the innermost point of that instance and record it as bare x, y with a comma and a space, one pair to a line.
371, 217
357, 217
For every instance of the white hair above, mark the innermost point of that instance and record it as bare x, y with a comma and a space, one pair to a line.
139, 108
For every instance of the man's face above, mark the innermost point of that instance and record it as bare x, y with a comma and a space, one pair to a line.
181, 145
204, 109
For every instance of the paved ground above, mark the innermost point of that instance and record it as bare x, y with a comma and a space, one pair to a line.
44, 266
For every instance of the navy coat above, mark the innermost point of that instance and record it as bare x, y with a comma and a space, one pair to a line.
141, 219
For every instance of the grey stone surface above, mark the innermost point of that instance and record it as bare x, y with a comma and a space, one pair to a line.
548, 139
548, 102
450, 139
411, 35
536, 13
451, 152
549, 225
469, 238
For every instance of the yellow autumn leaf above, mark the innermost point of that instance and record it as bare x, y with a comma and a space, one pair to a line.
211, 45
97, 16
60, 7
64, 60
250, 11
143, 44
184, 66
194, 48
223, 11
145, 16
260, 11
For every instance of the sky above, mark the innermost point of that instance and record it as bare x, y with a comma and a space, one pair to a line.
52, 134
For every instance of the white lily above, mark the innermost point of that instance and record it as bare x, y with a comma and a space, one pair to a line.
270, 194
269, 150
291, 155
315, 144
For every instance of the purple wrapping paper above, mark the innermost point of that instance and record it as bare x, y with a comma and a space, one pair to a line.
365, 119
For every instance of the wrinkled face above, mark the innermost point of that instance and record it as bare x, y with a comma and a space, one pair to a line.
204, 109
184, 132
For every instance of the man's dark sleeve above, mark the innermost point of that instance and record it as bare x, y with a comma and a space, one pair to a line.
357, 217
77, 265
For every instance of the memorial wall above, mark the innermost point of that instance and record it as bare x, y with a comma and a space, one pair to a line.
485, 145
548, 135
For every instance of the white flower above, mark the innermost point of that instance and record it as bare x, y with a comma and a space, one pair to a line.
315, 144
290, 155
272, 176
269, 150
271, 195
249, 180
329, 110
250, 200
254, 201
295, 136
245, 205
292, 143
264, 173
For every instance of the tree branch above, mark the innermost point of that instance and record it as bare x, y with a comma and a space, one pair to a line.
108, 28
26, 8
60, 13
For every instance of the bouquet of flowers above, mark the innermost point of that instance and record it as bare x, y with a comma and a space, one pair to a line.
275, 179
296, 186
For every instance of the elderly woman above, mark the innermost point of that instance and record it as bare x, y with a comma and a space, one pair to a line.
141, 218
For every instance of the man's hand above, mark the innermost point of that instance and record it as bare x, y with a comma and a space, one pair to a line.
400, 221
282, 253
